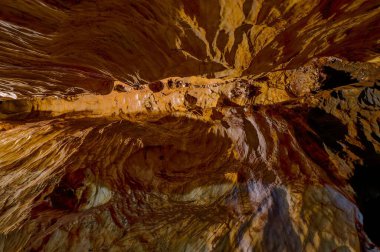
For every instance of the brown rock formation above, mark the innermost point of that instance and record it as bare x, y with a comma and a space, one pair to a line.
189, 125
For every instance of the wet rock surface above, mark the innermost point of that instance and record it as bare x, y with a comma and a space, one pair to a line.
189, 126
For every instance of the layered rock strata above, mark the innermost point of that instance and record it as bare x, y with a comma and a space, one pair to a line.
189, 125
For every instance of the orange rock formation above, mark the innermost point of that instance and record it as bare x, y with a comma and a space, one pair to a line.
167, 125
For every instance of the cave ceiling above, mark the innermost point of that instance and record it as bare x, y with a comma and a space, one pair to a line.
178, 125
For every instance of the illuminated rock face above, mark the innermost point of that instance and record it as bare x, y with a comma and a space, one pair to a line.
268, 139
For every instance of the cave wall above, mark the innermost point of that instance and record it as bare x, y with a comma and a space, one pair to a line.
189, 125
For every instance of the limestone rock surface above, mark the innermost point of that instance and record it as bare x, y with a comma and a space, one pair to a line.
229, 125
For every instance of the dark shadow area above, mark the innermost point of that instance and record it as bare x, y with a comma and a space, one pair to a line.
332, 78
314, 130
279, 234
330, 131
63, 197
156, 86
367, 187
329, 128
262, 79
253, 91
366, 175
365, 182
190, 100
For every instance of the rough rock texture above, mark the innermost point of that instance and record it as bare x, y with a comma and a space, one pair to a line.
55, 46
189, 125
